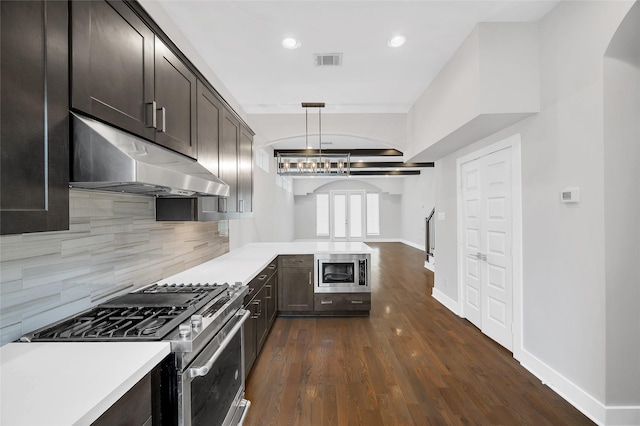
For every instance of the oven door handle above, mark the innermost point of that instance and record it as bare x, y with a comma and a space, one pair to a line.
204, 370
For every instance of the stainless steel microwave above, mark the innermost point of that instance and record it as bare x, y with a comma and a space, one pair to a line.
342, 273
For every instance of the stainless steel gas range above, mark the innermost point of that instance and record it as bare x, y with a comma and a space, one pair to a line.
202, 381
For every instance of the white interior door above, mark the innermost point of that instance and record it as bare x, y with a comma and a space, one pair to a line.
487, 225
347, 215
472, 263
497, 308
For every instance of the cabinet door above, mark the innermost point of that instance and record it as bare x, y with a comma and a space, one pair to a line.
295, 283
34, 181
229, 159
250, 339
271, 299
175, 90
262, 325
245, 171
133, 408
112, 65
209, 113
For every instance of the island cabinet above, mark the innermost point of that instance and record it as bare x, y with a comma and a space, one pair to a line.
261, 302
34, 167
124, 74
342, 303
295, 284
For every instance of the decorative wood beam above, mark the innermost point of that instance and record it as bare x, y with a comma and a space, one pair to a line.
384, 172
389, 164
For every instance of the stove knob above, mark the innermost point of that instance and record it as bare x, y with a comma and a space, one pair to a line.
196, 321
184, 331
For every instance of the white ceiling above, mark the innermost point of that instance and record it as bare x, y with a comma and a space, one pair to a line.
241, 43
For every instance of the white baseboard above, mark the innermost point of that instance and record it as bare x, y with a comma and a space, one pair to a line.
382, 240
627, 416
583, 401
412, 244
448, 302
430, 266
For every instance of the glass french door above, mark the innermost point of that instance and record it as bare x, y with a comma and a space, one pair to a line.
347, 215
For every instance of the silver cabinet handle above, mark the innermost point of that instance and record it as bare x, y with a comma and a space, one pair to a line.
357, 302
326, 302
154, 121
204, 370
222, 205
258, 303
262, 277
163, 129
310, 283
241, 206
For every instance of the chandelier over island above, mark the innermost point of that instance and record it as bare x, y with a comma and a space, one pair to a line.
311, 162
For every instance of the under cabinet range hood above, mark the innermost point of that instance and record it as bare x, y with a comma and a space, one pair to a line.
108, 159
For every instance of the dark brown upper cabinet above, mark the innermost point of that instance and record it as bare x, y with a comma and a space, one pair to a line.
113, 65
229, 134
245, 171
34, 135
209, 114
123, 74
175, 109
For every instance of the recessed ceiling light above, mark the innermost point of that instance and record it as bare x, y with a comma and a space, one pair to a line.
397, 40
290, 43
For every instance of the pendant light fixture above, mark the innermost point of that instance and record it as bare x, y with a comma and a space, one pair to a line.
313, 162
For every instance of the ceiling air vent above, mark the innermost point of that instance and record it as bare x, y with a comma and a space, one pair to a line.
327, 59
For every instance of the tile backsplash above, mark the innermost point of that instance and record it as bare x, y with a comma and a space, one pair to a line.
113, 246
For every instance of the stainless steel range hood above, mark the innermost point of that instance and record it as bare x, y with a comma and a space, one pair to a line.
107, 159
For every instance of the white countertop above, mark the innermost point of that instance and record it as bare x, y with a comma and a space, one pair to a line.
70, 383
243, 264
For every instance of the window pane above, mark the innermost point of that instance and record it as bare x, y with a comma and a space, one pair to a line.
355, 215
340, 216
373, 214
322, 214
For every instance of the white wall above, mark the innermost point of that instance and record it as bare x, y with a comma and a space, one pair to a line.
418, 198
390, 207
490, 82
390, 129
622, 211
273, 212
566, 339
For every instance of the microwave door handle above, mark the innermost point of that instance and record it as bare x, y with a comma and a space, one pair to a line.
204, 370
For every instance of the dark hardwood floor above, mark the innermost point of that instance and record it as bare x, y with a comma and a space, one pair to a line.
412, 362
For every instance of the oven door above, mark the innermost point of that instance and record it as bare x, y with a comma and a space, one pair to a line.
337, 273
211, 388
